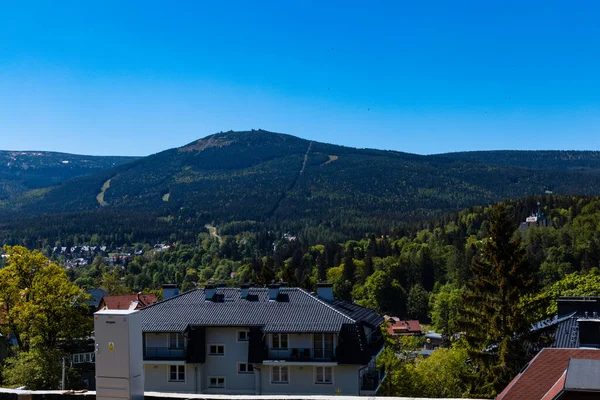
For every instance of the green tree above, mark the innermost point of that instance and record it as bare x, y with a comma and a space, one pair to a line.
38, 303
446, 309
418, 303
495, 320
111, 282
36, 369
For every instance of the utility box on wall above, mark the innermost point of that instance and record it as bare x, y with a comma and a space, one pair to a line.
119, 355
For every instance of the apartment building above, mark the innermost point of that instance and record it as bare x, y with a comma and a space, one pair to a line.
275, 340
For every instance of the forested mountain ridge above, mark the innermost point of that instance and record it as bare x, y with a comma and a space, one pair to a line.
571, 160
21, 171
242, 180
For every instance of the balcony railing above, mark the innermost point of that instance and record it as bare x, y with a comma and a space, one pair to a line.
164, 353
302, 354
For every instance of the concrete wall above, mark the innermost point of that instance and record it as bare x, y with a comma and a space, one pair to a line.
302, 381
227, 366
156, 379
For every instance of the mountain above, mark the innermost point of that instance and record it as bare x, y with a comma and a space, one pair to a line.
21, 171
582, 161
248, 178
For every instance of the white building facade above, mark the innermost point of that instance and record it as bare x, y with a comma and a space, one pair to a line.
260, 341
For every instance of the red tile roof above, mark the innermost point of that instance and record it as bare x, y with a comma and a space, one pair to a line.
127, 301
557, 388
543, 372
397, 326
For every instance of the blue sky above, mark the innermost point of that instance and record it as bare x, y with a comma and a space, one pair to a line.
128, 77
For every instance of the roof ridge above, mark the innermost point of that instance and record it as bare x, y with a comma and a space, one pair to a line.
325, 304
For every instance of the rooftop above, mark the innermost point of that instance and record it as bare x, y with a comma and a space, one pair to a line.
543, 372
128, 301
295, 310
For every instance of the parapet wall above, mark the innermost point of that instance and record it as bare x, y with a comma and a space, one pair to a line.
14, 394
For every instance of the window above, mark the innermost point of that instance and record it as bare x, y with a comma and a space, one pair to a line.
323, 345
216, 382
216, 350
324, 375
280, 341
81, 358
176, 341
245, 368
280, 375
176, 373
243, 336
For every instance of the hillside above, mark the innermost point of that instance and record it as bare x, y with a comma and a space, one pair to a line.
582, 161
21, 171
259, 177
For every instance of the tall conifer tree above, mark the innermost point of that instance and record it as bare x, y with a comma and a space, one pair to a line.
497, 324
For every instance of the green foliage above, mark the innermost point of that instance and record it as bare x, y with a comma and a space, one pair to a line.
418, 303
575, 284
495, 320
381, 293
36, 369
39, 303
446, 308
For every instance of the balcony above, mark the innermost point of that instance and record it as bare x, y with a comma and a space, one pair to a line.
164, 353
301, 354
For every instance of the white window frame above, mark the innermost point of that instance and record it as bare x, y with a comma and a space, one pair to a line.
180, 340
279, 336
279, 382
247, 332
323, 382
217, 378
215, 354
247, 365
177, 367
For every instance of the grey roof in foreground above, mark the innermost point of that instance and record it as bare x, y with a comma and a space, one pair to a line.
582, 374
294, 311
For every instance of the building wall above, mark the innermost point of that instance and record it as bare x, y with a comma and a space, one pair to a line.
156, 379
302, 381
302, 378
227, 366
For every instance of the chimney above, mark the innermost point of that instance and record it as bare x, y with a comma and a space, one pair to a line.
209, 292
169, 290
245, 289
273, 291
325, 291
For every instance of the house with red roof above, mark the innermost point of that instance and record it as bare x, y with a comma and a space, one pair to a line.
401, 327
127, 302
566, 374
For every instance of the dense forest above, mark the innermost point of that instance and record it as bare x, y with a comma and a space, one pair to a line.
401, 272
247, 181
21, 171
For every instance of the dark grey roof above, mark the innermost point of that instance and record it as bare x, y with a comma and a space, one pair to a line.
567, 334
358, 313
582, 374
294, 311
96, 296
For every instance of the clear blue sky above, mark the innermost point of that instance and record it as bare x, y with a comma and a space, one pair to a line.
128, 77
